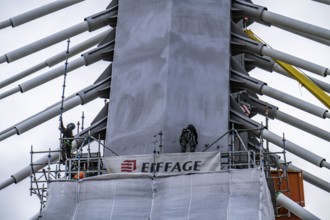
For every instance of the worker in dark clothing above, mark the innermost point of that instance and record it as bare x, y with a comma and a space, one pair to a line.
66, 141
188, 136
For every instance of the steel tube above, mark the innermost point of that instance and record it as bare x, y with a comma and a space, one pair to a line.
280, 20
295, 61
262, 15
7, 182
309, 36
80, 98
52, 74
45, 42
293, 148
325, 86
323, 1
38, 164
9, 92
45, 116
37, 13
6, 131
296, 122
56, 59
277, 140
269, 65
91, 23
23, 74
292, 206
293, 101
48, 76
262, 88
310, 178
77, 49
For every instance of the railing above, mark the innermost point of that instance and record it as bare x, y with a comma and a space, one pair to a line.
89, 163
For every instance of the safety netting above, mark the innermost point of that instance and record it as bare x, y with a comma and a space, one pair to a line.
233, 194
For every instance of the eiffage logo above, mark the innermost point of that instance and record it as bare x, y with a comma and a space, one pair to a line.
128, 166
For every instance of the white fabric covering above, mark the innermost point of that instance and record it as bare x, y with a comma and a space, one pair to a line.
232, 195
170, 69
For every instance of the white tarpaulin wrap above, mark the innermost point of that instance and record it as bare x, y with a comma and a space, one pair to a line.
170, 69
164, 163
230, 195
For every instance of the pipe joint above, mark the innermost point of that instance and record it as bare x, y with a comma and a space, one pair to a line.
247, 45
101, 19
262, 62
248, 82
250, 10
102, 52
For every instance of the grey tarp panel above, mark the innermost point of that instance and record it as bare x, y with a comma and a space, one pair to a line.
230, 195
170, 69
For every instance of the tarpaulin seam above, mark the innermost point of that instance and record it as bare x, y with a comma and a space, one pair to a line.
114, 198
260, 194
153, 197
77, 199
190, 199
229, 188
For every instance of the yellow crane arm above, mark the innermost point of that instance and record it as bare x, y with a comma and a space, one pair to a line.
299, 76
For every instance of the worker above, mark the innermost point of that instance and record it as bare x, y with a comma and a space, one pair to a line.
66, 141
188, 136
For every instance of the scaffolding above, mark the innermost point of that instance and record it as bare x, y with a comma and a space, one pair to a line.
86, 161
81, 165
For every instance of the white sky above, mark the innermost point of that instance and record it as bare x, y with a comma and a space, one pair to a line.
16, 202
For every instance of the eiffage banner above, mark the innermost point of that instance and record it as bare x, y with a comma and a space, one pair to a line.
164, 163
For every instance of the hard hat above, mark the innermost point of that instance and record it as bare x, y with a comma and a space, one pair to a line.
71, 126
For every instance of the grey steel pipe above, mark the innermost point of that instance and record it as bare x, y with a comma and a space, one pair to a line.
44, 43
36, 216
80, 98
308, 177
26, 171
325, 86
39, 80
56, 59
262, 88
248, 45
91, 23
22, 75
296, 122
323, 1
277, 140
37, 13
43, 161
273, 113
266, 63
293, 101
280, 20
293, 207
309, 36
87, 58
9, 131
294, 148
260, 14
50, 75
295, 61
104, 78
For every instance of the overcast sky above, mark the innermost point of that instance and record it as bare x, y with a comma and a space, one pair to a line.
15, 201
